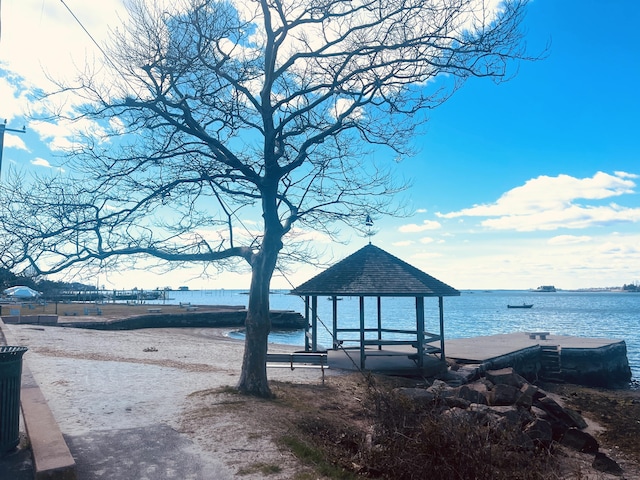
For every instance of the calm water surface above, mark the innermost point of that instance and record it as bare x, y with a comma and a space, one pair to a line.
584, 314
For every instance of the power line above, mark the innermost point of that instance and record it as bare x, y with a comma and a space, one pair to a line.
104, 53
85, 31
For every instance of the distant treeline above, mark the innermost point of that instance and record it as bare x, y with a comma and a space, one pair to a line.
631, 288
46, 287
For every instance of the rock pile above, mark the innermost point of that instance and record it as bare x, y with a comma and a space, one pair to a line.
504, 399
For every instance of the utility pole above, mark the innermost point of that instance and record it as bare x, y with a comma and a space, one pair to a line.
3, 128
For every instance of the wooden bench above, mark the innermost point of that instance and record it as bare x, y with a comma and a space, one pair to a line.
298, 360
185, 304
191, 309
542, 335
90, 311
154, 310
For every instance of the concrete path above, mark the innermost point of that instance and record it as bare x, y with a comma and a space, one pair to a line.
145, 453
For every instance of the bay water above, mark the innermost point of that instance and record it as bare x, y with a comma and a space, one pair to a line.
611, 315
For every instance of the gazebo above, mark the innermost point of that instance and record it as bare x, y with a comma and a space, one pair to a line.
372, 272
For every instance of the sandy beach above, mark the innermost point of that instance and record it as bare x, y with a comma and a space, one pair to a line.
155, 404
123, 388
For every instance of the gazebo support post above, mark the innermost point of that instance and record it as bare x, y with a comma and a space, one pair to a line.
362, 333
334, 298
306, 322
441, 305
379, 322
420, 329
314, 323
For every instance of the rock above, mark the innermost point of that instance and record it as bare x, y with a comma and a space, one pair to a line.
527, 394
513, 415
540, 432
481, 414
580, 441
503, 394
474, 393
576, 419
420, 396
564, 418
439, 388
505, 376
456, 401
605, 464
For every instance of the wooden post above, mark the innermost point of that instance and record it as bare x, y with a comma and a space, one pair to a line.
335, 322
362, 336
314, 323
441, 305
307, 325
420, 329
379, 323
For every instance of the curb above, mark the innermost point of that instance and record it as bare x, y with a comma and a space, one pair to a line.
51, 456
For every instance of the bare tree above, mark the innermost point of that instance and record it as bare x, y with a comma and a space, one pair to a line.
264, 107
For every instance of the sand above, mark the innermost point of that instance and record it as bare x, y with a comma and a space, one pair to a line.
137, 381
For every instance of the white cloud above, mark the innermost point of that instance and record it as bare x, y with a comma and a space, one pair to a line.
549, 203
43, 37
403, 243
14, 141
426, 240
61, 136
41, 162
415, 228
568, 240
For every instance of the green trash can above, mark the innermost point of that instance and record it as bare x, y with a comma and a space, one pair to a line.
10, 380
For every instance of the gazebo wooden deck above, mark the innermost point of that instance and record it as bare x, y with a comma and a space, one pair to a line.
372, 272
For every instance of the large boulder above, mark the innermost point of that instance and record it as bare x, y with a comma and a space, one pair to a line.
605, 464
503, 394
540, 432
505, 376
474, 392
580, 441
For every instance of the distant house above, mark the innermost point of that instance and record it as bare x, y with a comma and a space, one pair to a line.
546, 288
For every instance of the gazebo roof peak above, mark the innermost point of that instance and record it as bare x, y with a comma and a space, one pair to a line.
373, 272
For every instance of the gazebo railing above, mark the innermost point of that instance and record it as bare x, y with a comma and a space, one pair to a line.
380, 341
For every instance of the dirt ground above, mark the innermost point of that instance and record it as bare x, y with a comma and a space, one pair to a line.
613, 417
80, 372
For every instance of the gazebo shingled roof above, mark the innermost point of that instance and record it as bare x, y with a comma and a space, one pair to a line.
372, 272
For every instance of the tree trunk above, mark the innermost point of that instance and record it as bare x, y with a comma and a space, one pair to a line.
253, 377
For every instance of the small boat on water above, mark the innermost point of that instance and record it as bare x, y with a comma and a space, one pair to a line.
524, 305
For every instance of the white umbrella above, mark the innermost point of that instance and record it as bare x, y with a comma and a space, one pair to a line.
21, 291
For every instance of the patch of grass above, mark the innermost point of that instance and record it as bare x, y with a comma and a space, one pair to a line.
316, 457
265, 469
213, 391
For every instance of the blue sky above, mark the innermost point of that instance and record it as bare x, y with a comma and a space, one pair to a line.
529, 182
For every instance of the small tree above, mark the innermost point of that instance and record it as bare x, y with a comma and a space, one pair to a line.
263, 107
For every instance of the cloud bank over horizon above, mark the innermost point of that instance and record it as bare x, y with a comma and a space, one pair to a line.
552, 203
